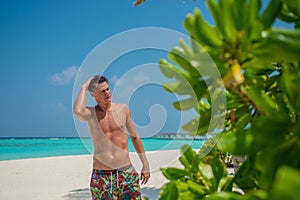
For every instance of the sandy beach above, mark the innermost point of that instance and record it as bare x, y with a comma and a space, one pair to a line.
67, 177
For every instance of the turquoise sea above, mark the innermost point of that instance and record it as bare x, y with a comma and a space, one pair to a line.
22, 148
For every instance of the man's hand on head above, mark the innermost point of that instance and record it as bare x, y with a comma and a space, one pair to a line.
87, 83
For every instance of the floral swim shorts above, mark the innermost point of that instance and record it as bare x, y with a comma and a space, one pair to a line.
115, 184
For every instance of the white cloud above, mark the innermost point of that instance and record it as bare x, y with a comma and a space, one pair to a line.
142, 77
125, 86
59, 108
131, 79
64, 77
114, 79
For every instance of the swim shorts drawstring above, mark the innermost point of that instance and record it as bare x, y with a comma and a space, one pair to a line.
111, 182
117, 178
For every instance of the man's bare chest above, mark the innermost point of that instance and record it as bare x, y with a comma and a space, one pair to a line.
111, 121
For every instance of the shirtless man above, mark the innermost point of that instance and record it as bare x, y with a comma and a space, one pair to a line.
110, 124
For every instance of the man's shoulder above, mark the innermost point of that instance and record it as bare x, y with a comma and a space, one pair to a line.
121, 106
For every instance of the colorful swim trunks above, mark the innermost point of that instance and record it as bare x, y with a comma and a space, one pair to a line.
116, 184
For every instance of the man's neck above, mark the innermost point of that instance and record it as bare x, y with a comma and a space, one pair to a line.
104, 107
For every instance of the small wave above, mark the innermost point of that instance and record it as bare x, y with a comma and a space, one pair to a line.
55, 138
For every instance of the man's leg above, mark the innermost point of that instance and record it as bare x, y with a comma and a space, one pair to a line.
101, 185
129, 187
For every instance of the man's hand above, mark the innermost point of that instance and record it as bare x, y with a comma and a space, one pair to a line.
145, 175
87, 83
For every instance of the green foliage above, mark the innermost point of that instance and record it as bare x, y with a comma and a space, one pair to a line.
199, 177
259, 66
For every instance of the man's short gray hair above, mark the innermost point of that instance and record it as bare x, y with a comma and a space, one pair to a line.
95, 81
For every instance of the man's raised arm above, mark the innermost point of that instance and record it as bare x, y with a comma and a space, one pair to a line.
79, 108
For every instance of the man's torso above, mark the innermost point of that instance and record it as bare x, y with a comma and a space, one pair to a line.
110, 138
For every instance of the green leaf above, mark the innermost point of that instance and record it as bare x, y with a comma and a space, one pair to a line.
171, 87
188, 153
185, 104
232, 101
195, 164
294, 6
224, 195
242, 121
218, 169
240, 14
178, 56
169, 192
182, 186
184, 191
173, 173
286, 184
275, 40
205, 33
193, 126
266, 127
288, 15
187, 50
270, 13
272, 157
182, 87
245, 176
225, 184
227, 142
227, 21
255, 27
236, 143
261, 100
290, 83
215, 10
197, 189
204, 122
185, 162
171, 71
207, 174
254, 7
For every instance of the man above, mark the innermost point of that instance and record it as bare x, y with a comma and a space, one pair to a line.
110, 124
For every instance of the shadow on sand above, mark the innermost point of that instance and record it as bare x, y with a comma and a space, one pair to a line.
84, 194
79, 194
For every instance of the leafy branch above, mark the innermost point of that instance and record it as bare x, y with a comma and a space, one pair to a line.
259, 66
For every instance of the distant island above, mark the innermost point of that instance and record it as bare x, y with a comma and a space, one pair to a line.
179, 136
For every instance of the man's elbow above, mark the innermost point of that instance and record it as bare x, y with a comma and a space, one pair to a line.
76, 111
79, 115
135, 138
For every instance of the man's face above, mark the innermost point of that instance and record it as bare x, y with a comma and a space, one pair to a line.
102, 93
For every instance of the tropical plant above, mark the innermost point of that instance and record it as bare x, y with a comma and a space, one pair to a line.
259, 65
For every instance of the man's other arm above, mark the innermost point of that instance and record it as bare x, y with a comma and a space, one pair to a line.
138, 145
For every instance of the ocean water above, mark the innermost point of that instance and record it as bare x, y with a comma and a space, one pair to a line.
22, 148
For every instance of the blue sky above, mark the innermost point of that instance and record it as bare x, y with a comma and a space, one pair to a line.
44, 47
44, 43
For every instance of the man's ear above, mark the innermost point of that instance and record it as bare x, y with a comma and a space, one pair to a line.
92, 94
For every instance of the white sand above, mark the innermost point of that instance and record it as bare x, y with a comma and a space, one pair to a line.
67, 177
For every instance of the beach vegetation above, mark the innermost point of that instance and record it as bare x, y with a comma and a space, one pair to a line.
260, 78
